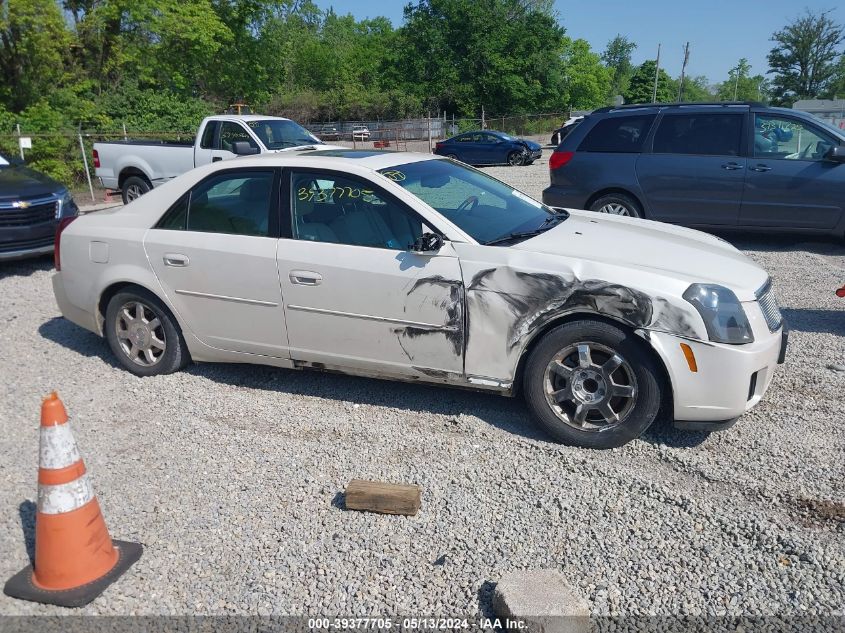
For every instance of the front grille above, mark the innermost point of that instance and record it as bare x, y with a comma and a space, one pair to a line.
25, 245
769, 305
36, 214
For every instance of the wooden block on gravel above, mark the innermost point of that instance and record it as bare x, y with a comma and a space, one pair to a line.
377, 496
540, 601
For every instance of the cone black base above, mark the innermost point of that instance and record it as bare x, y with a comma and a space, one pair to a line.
21, 586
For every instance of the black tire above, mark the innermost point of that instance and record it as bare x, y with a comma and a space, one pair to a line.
133, 188
639, 366
515, 159
175, 355
614, 200
452, 156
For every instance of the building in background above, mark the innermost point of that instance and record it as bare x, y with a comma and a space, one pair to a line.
832, 111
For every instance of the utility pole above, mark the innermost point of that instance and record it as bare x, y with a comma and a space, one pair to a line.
736, 81
683, 70
656, 75
483, 121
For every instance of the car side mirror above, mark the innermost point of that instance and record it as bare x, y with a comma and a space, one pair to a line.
243, 148
836, 154
427, 244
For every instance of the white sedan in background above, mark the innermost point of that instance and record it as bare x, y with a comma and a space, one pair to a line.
413, 267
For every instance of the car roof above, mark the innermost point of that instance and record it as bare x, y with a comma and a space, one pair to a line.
684, 105
334, 158
247, 117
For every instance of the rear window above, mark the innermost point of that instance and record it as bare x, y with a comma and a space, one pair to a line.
618, 134
701, 134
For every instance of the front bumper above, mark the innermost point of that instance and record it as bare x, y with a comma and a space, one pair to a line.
21, 242
730, 380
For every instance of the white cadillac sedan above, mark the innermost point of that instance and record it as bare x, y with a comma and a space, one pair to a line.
413, 267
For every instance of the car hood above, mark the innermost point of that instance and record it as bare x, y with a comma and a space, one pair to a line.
18, 182
530, 144
685, 254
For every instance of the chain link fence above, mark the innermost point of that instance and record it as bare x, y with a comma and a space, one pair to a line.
67, 155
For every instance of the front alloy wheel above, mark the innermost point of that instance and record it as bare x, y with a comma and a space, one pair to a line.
515, 159
594, 384
589, 386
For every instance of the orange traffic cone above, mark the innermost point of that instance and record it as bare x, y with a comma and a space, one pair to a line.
75, 558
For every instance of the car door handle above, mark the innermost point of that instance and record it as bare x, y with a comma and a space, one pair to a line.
176, 259
731, 166
305, 278
216, 158
760, 168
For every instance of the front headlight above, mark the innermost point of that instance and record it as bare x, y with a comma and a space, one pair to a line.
66, 207
722, 313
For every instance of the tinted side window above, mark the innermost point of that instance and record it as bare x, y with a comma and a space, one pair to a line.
232, 133
618, 134
702, 134
333, 208
207, 141
234, 202
176, 218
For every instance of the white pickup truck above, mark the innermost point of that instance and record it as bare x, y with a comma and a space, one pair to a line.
135, 167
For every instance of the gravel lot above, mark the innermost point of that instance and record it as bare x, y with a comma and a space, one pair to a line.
230, 476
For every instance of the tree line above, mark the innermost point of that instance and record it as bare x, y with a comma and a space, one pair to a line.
161, 65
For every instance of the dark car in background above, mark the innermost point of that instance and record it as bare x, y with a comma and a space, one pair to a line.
327, 133
717, 165
487, 147
564, 130
31, 206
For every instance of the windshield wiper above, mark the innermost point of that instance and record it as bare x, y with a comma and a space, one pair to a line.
546, 224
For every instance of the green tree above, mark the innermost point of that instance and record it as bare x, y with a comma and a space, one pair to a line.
741, 85
836, 90
804, 60
617, 57
33, 45
641, 88
460, 55
695, 88
586, 82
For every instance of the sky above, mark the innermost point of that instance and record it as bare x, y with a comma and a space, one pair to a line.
720, 32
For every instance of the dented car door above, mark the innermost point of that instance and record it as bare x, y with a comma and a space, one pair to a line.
372, 309
356, 295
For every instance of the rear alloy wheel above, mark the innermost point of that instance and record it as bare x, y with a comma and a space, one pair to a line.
617, 204
143, 335
452, 156
592, 384
515, 159
133, 188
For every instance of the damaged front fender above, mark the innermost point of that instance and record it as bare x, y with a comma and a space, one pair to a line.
506, 307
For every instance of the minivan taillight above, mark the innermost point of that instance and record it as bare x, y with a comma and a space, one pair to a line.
559, 159
96, 159
57, 248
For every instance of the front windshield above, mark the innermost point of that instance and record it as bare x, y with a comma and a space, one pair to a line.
483, 207
281, 133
